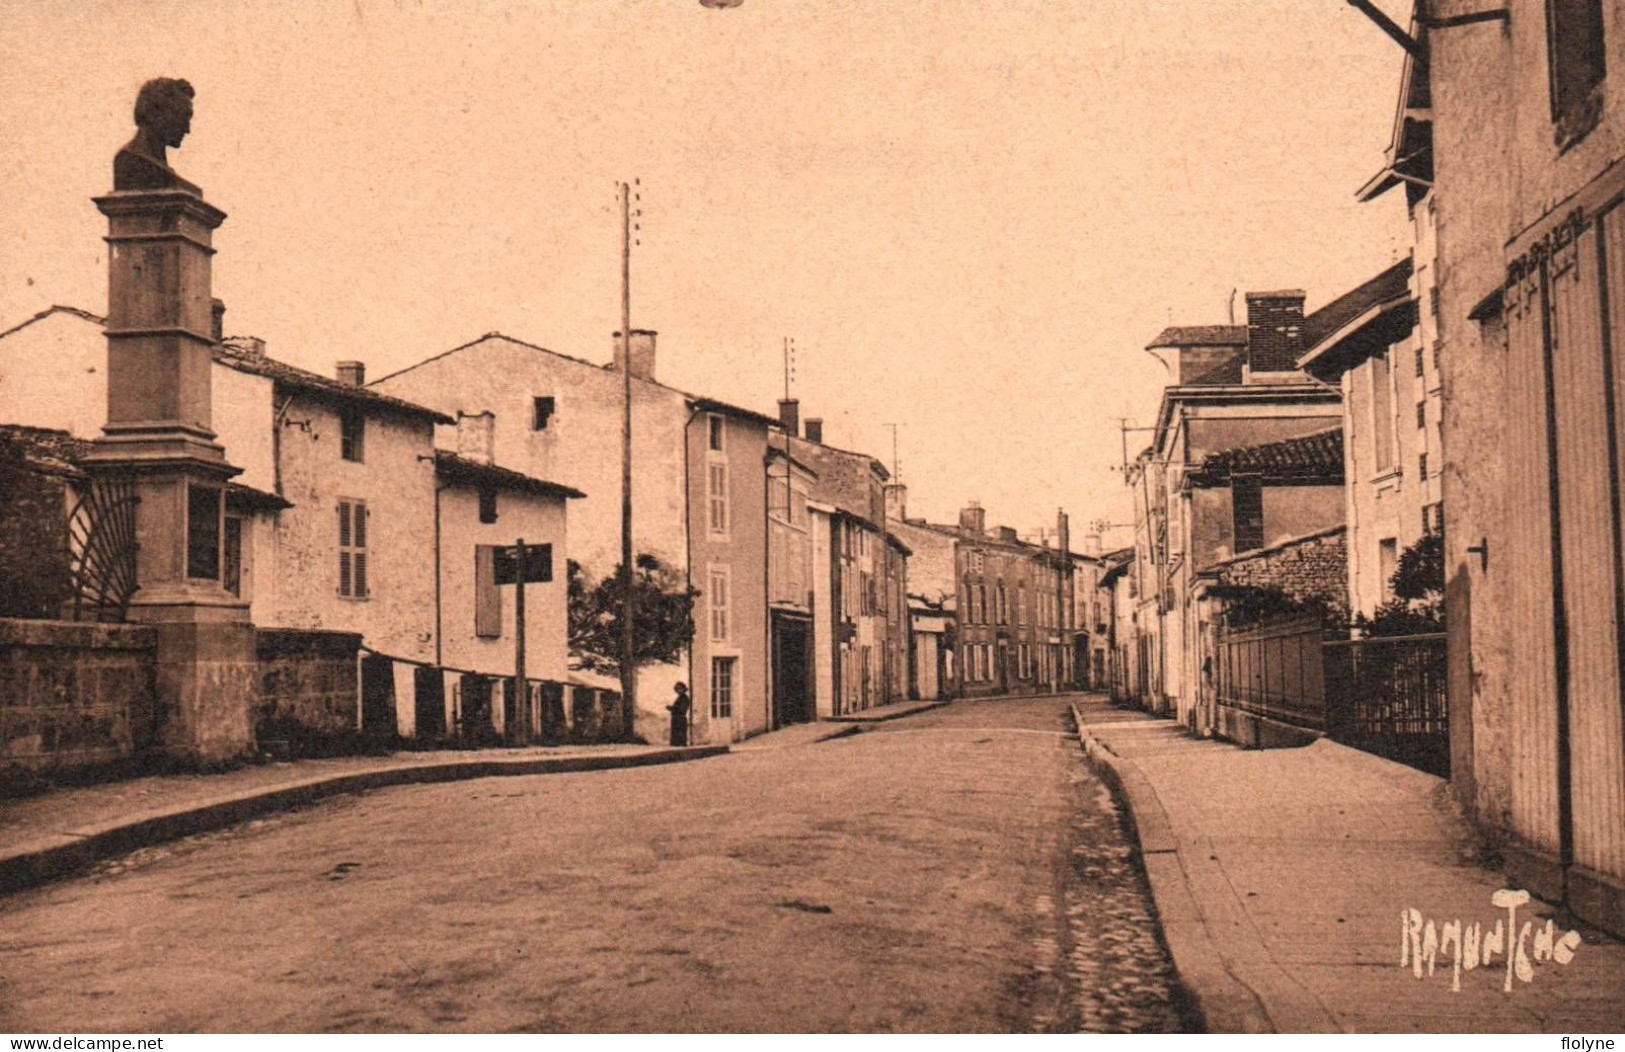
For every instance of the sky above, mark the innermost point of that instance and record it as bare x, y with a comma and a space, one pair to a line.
970, 216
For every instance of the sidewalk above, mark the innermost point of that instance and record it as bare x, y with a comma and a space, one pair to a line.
887, 712
57, 832
1280, 877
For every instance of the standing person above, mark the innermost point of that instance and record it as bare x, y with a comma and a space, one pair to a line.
679, 709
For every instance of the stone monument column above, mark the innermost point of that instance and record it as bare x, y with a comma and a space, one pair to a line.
158, 435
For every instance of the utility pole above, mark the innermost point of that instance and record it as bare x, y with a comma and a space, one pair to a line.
789, 439
628, 667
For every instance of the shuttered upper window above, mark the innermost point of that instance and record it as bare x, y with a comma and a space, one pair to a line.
353, 549
487, 596
717, 482
719, 603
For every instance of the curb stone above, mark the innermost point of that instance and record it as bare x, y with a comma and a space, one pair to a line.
1223, 1003
53, 857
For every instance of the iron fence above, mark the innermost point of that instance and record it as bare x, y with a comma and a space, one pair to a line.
1387, 695
1273, 670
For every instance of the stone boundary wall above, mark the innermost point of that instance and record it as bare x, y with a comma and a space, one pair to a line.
1315, 566
74, 696
308, 698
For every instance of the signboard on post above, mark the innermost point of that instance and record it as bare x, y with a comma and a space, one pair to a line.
538, 561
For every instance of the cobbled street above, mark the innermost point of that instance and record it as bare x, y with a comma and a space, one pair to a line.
961, 869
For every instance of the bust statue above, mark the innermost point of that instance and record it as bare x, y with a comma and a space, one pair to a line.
163, 117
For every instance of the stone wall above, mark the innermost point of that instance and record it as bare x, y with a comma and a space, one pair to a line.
74, 697
1314, 566
309, 690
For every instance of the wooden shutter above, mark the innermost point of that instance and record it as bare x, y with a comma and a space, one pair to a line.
487, 596
344, 547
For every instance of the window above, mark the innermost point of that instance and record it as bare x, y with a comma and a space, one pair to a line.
1382, 414
1002, 611
981, 602
1433, 293
1247, 499
717, 475
488, 504
541, 411
352, 434
1021, 603
487, 596
1576, 60
715, 431
232, 577
1421, 358
1387, 563
352, 549
722, 688
719, 603
1422, 467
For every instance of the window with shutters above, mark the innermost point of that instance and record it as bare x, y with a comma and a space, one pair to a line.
232, 571
352, 434
717, 483
719, 604
487, 594
353, 581
1247, 499
1382, 414
1421, 414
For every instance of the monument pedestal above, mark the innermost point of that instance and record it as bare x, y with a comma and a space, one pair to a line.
159, 438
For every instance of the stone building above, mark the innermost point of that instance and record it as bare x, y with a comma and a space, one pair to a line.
1233, 388
341, 518
1383, 359
1014, 605
699, 500
1527, 134
859, 570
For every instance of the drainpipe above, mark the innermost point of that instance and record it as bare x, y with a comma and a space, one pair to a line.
439, 635
688, 546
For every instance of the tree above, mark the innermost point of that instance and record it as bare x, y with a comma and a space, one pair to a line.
663, 619
1418, 586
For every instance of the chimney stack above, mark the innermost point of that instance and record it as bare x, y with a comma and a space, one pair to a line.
790, 416
1008, 534
896, 501
643, 353
352, 373
815, 430
1274, 330
1091, 544
218, 308
476, 435
250, 346
972, 519
1063, 531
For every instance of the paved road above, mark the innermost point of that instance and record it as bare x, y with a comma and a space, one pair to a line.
959, 870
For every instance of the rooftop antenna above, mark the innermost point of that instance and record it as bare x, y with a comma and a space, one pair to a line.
896, 465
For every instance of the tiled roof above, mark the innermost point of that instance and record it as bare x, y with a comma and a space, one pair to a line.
58, 453
1390, 284
1200, 336
1310, 457
450, 466
302, 380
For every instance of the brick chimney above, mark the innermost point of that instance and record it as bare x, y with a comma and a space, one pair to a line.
476, 435
217, 307
815, 430
643, 353
896, 501
352, 373
252, 346
1008, 534
1274, 330
790, 416
972, 519
1063, 530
